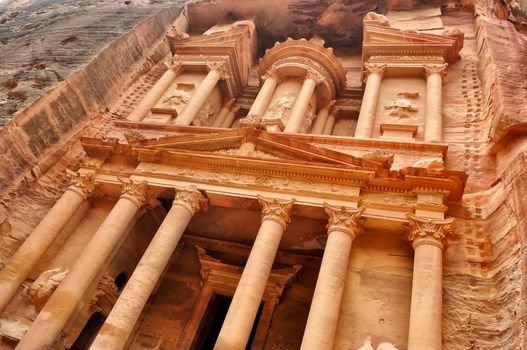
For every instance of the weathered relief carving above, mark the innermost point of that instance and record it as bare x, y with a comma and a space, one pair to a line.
205, 114
45, 284
433, 163
281, 107
401, 108
180, 96
367, 345
104, 296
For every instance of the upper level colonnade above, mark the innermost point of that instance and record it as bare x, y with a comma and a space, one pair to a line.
302, 84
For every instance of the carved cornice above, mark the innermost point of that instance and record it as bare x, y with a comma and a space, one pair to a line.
435, 69
134, 191
377, 68
220, 67
428, 231
83, 185
344, 219
175, 64
276, 210
190, 199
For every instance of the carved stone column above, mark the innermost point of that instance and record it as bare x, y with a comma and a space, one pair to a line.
428, 239
434, 102
70, 294
143, 108
369, 100
330, 122
225, 110
217, 71
227, 123
322, 321
298, 113
28, 255
239, 321
126, 311
322, 117
261, 102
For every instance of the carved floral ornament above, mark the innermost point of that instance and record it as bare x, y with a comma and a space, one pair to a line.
190, 199
84, 185
344, 219
428, 231
134, 191
377, 68
314, 75
220, 67
175, 64
276, 210
435, 69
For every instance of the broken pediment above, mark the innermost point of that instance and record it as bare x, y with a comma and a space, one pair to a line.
382, 41
254, 143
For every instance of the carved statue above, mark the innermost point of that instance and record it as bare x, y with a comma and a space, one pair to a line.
204, 115
400, 108
180, 95
281, 107
433, 163
45, 284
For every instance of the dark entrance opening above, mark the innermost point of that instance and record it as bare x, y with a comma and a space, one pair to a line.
212, 321
89, 332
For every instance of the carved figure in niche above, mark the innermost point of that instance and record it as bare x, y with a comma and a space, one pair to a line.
180, 96
382, 346
281, 107
401, 108
204, 115
432, 163
45, 284
310, 116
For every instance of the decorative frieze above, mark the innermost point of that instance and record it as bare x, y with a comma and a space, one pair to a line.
344, 219
428, 231
276, 210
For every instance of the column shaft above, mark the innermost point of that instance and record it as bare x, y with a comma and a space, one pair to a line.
224, 112
330, 124
66, 299
227, 123
426, 308
343, 227
143, 108
298, 113
428, 238
239, 321
368, 108
198, 99
324, 312
29, 253
434, 114
261, 102
320, 122
126, 311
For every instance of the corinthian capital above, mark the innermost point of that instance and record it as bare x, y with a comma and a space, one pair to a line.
377, 68
435, 69
190, 199
220, 67
428, 231
175, 64
83, 185
134, 191
271, 72
344, 219
276, 210
314, 75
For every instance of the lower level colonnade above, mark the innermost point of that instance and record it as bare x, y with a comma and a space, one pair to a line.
426, 235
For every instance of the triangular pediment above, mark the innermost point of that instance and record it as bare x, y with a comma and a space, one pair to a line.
381, 40
263, 145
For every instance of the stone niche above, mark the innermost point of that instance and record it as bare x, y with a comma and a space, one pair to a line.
402, 102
